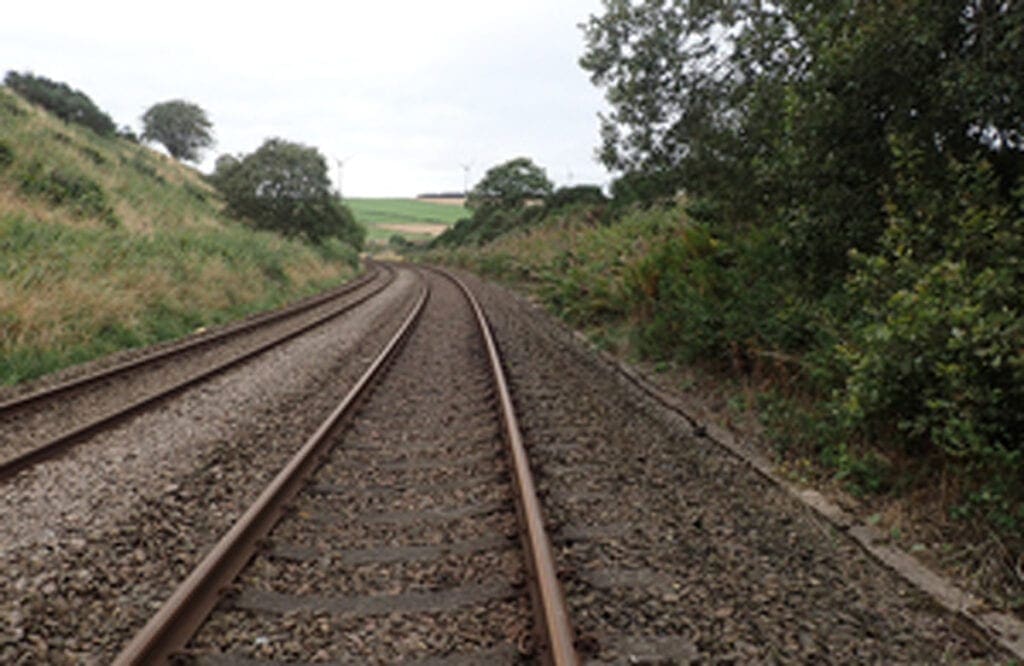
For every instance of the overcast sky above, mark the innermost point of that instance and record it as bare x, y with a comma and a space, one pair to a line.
404, 91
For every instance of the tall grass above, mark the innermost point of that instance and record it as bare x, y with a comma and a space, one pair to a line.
105, 245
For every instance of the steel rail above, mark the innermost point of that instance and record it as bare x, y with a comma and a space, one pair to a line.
184, 612
66, 440
553, 628
242, 327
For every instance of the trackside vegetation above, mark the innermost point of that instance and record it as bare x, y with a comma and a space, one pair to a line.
824, 202
105, 244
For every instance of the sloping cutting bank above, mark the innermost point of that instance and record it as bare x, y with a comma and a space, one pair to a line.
105, 245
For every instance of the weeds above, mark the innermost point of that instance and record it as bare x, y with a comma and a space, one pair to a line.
81, 195
911, 367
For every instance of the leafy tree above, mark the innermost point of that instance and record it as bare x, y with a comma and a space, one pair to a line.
128, 134
644, 188
576, 195
284, 187
857, 171
940, 349
182, 127
68, 104
510, 185
223, 167
785, 112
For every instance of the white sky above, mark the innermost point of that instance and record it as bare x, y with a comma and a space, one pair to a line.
406, 90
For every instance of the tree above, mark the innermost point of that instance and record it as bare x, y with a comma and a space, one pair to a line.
284, 187
510, 185
182, 127
68, 104
790, 112
576, 195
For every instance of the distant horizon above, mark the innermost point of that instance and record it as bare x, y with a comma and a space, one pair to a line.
487, 82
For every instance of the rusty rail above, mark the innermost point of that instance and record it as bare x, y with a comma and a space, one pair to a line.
552, 626
243, 327
187, 608
66, 440
169, 631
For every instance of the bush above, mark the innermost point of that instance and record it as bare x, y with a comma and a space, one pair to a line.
640, 188
9, 107
563, 197
6, 155
69, 105
60, 187
128, 134
940, 355
487, 224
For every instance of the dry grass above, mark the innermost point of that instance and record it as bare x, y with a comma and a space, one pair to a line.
75, 285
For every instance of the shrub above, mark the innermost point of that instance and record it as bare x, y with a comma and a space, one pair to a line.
69, 105
572, 196
8, 106
144, 168
128, 134
65, 188
6, 155
940, 355
92, 155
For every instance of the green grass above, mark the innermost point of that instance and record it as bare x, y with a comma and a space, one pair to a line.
372, 213
105, 245
376, 211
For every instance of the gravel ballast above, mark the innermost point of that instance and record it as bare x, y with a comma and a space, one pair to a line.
671, 548
403, 545
92, 543
27, 426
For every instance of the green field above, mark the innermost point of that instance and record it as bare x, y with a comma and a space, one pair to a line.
403, 216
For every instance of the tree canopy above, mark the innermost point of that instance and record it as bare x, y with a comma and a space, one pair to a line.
182, 127
801, 110
284, 187
853, 175
510, 185
68, 104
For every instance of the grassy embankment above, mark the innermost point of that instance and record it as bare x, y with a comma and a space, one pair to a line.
413, 219
105, 245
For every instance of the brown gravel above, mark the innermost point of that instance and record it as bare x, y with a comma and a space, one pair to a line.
403, 546
93, 542
25, 427
672, 549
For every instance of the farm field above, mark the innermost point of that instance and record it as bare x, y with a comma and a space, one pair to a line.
415, 219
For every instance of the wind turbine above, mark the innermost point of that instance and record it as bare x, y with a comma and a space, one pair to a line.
341, 171
465, 176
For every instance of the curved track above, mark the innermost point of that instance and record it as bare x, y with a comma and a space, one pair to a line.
46, 423
390, 530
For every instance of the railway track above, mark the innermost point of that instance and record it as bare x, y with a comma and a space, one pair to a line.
396, 535
406, 529
42, 424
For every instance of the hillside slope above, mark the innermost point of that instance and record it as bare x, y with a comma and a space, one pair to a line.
105, 244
